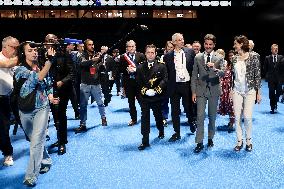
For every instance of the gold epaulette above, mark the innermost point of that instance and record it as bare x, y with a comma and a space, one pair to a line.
143, 90
158, 89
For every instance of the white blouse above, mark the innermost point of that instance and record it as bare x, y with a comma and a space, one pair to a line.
240, 82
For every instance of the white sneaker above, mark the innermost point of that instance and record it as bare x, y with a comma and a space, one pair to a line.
8, 161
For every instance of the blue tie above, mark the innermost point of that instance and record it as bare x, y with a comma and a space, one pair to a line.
131, 57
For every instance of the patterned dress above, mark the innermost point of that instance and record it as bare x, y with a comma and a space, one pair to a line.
226, 103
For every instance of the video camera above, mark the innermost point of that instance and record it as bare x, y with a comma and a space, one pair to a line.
58, 45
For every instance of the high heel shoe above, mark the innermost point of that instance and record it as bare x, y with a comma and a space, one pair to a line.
249, 148
238, 148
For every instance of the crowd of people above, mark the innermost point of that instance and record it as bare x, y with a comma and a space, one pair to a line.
48, 77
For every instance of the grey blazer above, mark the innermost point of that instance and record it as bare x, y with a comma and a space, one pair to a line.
204, 77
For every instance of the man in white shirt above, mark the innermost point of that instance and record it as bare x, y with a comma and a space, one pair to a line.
179, 64
7, 62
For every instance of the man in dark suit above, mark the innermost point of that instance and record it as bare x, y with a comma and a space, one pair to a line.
152, 80
179, 64
271, 69
129, 61
205, 85
63, 75
105, 71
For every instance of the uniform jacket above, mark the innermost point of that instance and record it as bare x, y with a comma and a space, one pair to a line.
154, 78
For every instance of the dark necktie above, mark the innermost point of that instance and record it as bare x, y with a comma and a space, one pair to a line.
150, 65
208, 58
131, 57
274, 58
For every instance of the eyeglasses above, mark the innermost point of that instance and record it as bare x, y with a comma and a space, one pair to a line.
14, 47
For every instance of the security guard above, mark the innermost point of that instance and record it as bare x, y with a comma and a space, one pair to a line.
152, 79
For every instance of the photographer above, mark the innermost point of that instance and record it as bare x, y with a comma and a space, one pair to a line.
63, 76
90, 85
34, 122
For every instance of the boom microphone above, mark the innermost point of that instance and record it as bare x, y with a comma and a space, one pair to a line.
144, 27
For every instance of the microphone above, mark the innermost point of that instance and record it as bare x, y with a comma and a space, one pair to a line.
144, 27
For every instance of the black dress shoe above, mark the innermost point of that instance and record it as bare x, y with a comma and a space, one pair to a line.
230, 127
80, 129
161, 135
272, 111
132, 122
77, 116
56, 144
29, 183
192, 126
143, 146
165, 122
198, 148
174, 137
106, 103
61, 149
210, 143
44, 168
47, 138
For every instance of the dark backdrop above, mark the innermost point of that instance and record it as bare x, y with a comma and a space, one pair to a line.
224, 23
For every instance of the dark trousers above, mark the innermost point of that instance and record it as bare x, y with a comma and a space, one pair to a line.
181, 91
74, 100
145, 118
105, 88
165, 108
275, 90
192, 107
116, 81
5, 113
77, 86
59, 114
132, 92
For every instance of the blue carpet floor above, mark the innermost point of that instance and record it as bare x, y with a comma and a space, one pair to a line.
107, 157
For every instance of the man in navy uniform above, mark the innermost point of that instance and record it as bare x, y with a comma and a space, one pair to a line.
152, 80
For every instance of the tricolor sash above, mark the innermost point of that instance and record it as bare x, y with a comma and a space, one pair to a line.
129, 61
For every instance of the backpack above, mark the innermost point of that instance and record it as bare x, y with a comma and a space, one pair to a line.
27, 103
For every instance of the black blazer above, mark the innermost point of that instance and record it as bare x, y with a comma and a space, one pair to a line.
139, 57
169, 61
273, 71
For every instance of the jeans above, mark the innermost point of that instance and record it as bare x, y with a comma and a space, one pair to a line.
35, 125
85, 92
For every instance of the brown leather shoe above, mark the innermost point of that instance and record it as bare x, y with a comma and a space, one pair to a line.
132, 122
82, 128
104, 121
